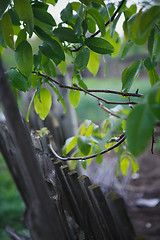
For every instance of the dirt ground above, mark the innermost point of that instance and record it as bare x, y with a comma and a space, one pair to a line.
146, 220
143, 186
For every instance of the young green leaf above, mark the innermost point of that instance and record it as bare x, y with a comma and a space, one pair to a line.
99, 45
17, 80
84, 144
43, 16
62, 67
24, 10
42, 108
7, 29
93, 63
70, 143
130, 74
74, 97
82, 59
98, 18
139, 128
124, 164
24, 58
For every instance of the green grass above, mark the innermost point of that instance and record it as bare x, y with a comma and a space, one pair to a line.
11, 205
88, 107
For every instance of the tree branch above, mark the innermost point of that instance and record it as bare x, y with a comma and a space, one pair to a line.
108, 110
120, 141
77, 88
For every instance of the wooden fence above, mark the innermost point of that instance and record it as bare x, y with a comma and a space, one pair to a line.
83, 210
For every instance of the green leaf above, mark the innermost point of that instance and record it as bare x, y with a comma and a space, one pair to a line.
93, 63
101, 2
112, 31
43, 16
2, 41
17, 80
66, 34
21, 37
153, 76
84, 144
42, 108
60, 98
157, 48
37, 60
14, 17
126, 49
70, 143
77, 27
62, 67
7, 29
52, 52
124, 164
139, 128
3, 6
115, 41
50, 69
74, 97
99, 45
24, 10
99, 159
154, 100
130, 74
24, 58
91, 24
35, 80
148, 19
151, 42
98, 18
30, 105
66, 14
82, 59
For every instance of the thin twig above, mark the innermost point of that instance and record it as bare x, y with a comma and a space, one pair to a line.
108, 110
106, 24
121, 140
77, 88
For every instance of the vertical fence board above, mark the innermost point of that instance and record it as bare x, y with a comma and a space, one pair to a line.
119, 212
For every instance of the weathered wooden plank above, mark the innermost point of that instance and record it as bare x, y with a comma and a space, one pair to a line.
119, 212
74, 207
79, 196
89, 212
103, 212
